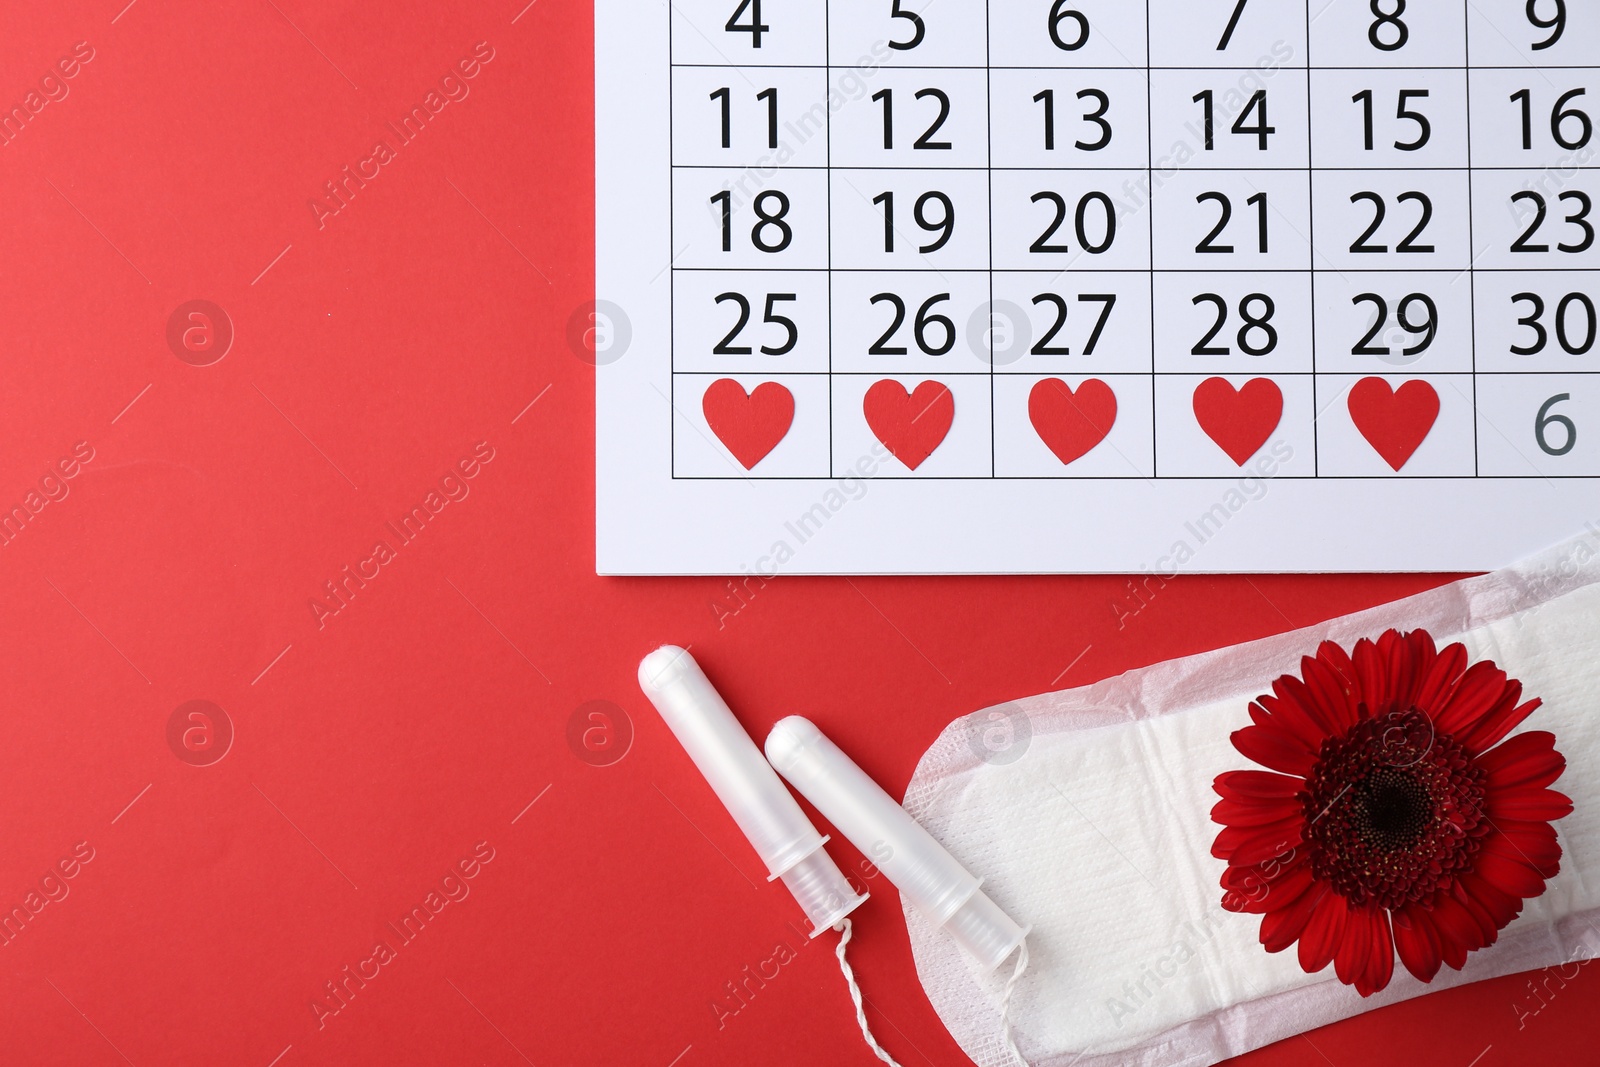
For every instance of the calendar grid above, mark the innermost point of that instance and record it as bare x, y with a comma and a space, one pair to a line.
1349, 228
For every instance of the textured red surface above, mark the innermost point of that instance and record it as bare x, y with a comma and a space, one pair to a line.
374, 747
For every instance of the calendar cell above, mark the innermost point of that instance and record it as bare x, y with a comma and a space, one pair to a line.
765, 117
748, 33
1071, 220
935, 427
1230, 119
748, 219
1387, 33
1544, 33
740, 322
1395, 426
1089, 119
1539, 425
1401, 119
1540, 219
1067, 33
1376, 322
1233, 220
1070, 322
1233, 426
1073, 426
909, 33
1257, 323
1227, 33
1391, 220
764, 426
1536, 118
1538, 321
907, 322
910, 219
914, 117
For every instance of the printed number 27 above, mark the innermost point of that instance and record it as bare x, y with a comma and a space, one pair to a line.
755, 27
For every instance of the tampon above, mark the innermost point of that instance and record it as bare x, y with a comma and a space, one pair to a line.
745, 783
922, 869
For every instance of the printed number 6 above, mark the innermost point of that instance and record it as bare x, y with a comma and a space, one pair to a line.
1059, 14
1544, 419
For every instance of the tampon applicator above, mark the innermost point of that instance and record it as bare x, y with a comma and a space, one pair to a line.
922, 869
781, 833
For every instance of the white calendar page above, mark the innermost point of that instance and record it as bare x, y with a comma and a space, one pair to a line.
939, 286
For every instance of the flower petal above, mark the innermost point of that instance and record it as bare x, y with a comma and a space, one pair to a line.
1458, 930
1350, 956
1323, 933
1471, 698
1532, 805
1281, 928
1417, 942
1253, 785
1442, 676
1529, 759
1275, 749
1380, 956
1241, 845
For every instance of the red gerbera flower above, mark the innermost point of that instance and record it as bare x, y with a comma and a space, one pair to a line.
1397, 820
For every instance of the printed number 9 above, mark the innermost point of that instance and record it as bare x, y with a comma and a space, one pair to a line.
1060, 13
1556, 23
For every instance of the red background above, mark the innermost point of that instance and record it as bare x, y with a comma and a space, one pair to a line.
374, 751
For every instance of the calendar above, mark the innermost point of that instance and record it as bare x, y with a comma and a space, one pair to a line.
1143, 286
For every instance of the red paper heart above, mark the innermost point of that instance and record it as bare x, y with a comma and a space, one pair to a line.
749, 424
1395, 422
1238, 420
1072, 422
910, 425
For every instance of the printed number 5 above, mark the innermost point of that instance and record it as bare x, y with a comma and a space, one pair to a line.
918, 29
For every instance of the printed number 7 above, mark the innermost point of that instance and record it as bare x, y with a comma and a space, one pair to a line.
755, 27
1233, 24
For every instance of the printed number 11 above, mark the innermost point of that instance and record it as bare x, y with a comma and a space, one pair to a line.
770, 96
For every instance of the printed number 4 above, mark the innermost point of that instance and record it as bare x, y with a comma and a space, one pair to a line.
755, 27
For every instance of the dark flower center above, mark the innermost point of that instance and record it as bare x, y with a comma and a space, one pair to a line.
1394, 810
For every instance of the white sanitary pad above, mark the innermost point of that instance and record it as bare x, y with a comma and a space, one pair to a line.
1088, 814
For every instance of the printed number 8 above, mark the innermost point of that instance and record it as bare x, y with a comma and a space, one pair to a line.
1382, 19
